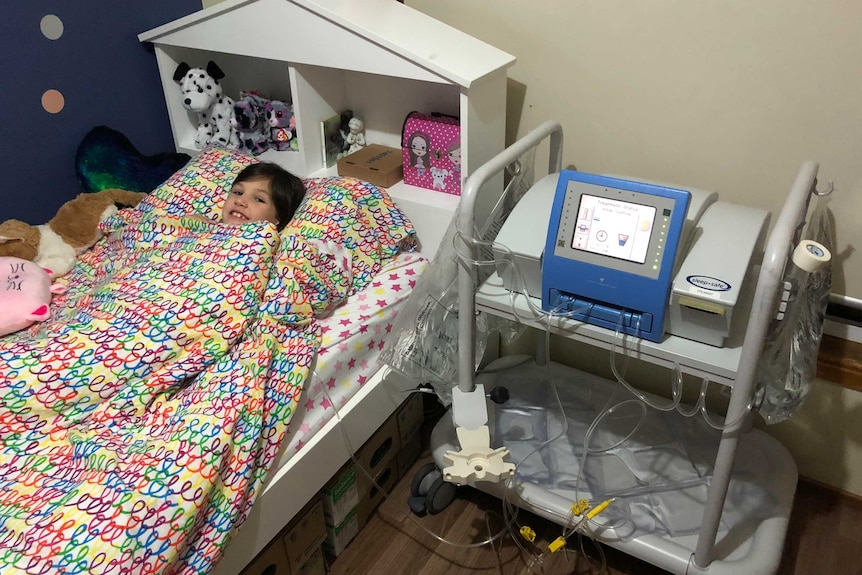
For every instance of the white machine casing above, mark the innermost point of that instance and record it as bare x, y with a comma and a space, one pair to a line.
524, 233
708, 286
720, 245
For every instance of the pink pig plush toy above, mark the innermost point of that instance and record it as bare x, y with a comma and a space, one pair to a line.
25, 294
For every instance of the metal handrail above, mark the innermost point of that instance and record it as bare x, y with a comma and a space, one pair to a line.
467, 273
763, 309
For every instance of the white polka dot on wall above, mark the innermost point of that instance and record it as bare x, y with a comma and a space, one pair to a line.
53, 101
51, 26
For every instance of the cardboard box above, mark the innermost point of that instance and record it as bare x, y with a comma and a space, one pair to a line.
379, 450
410, 450
370, 496
340, 495
271, 561
410, 416
374, 163
315, 564
305, 535
337, 537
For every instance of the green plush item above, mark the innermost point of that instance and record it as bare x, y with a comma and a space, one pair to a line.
106, 159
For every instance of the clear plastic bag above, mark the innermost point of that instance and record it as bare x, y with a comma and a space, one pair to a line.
423, 344
789, 361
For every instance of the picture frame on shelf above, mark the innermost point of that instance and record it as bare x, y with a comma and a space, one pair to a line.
332, 135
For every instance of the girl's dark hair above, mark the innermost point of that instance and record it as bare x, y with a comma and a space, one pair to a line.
287, 190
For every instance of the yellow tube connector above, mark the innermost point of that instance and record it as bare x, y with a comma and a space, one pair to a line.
579, 507
528, 534
599, 508
557, 544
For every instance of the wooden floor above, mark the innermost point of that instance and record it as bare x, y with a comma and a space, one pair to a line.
824, 538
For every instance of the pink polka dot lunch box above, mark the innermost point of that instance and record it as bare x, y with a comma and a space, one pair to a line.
431, 151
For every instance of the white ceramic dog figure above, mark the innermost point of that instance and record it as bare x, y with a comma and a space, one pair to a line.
203, 94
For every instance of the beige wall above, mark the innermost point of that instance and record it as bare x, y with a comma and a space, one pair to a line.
730, 96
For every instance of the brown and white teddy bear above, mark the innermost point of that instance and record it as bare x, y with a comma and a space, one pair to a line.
72, 231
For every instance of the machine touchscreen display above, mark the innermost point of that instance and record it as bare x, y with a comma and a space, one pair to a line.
614, 228
612, 245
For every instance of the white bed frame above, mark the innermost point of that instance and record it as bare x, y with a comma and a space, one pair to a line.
382, 60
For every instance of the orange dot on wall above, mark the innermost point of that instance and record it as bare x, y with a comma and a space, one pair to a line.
53, 101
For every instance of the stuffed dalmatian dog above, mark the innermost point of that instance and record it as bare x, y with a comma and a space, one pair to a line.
203, 94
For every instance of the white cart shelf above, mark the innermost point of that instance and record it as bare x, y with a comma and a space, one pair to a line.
754, 549
718, 364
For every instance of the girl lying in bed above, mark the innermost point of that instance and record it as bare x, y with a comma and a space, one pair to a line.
262, 192
138, 423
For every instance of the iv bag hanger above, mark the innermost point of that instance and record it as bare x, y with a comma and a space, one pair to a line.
477, 460
829, 189
467, 274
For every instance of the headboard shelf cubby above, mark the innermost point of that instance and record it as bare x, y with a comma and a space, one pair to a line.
379, 58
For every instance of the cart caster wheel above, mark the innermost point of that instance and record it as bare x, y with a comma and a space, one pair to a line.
417, 506
441, 494
429, 492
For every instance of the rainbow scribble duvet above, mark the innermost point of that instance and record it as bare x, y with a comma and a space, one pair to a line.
138, 424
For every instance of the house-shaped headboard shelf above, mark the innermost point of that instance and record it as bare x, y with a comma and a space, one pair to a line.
379, 58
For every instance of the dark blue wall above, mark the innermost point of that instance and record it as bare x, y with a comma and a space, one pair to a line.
106, 76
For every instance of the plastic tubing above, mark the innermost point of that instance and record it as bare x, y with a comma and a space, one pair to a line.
488, 541
548, 318
510, 511
675, 403
676, 390
540, 315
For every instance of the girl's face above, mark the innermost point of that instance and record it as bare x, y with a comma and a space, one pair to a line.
419, 146
249, 201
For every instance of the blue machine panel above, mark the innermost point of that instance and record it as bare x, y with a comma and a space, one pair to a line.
610, 252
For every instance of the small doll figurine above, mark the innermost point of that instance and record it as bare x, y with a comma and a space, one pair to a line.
355, 138
282, 126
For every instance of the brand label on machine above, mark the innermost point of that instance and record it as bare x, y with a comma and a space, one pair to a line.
708, 286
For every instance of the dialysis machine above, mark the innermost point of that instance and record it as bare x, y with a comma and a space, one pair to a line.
644, 257
676, 269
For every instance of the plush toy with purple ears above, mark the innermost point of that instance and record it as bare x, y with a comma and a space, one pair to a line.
25, 294
282, 125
